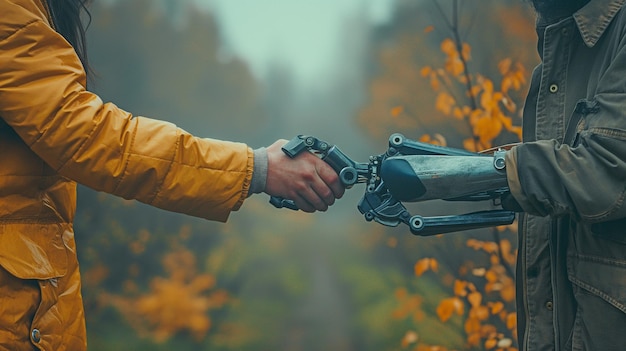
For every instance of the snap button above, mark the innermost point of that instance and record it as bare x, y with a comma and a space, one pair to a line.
564, 31
36, 335
549, 305
554, 88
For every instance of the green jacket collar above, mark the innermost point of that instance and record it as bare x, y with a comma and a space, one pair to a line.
593, 19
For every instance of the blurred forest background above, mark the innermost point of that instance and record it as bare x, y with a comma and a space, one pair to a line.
280, 280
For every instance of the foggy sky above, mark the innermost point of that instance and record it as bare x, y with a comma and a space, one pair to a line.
304, 35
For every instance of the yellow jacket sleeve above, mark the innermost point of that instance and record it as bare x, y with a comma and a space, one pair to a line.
44, 99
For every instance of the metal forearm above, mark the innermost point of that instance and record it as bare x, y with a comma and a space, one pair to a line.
426, 177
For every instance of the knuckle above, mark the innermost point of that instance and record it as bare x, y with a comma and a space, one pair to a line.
328, 194
300, 187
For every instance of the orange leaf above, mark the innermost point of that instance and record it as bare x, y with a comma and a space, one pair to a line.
445, 310
457, 113
474, 244
481, 312
497, 307
470, 144
491, 247
511, 321
473, 339
449, 306
486, 128
422, 266
434, 265
455, 66
491, 276
460, 288
425, 71
429, 29
475, 90
436, 139
472, 325
475, 299
504, 66
490, 343
434, 82
508, 293
448, 47
506, 84
444, 103
397, 110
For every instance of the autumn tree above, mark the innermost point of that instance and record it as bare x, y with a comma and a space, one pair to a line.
434, 83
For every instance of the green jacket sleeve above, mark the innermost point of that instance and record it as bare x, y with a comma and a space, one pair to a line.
587, 177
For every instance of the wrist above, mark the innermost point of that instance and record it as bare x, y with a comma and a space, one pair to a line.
259, 173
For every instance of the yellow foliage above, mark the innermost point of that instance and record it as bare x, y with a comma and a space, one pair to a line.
496, 307
490, 343
489, 109
444, 103
511, 321
487, 119
475, 299
424, 265
508, 292
409, 305
436, 139
472, 325
426, 71
178, 303
460, 288
448, 47
447, 307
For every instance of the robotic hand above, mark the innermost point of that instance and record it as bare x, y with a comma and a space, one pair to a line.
411, 171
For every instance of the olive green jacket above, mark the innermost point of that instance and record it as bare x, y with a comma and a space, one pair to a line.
569, 176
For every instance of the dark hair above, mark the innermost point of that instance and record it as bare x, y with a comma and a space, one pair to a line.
553, 9
66, 15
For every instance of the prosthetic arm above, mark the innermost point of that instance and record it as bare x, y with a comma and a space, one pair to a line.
411, 171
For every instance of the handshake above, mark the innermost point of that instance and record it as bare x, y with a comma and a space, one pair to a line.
408, 171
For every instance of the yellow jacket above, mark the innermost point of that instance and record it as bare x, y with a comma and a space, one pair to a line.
54, 133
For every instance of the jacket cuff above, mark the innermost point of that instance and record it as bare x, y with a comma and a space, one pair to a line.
259, 174
512, 177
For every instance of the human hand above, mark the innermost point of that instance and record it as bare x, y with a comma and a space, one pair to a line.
307, 180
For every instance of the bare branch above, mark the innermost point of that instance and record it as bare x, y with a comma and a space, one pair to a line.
442, 14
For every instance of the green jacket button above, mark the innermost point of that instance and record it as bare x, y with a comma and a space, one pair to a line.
554, 88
